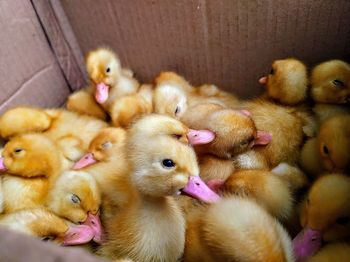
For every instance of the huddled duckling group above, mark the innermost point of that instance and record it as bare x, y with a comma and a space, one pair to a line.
171, 172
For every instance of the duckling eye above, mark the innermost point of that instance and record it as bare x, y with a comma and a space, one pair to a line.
325, 150
177, 110
272, 71
108, 70
75, 199
338, 83
343, 220
107, 145
18, 150
168, 163
48, 238
244, 143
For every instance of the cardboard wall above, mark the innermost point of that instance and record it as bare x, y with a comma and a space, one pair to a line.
227, 42
29, 72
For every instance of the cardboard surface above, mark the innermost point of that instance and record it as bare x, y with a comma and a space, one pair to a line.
29, 72
230, 43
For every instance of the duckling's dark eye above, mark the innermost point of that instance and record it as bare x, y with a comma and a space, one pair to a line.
272, 71
343, 220
48, 238
108, 70
18, 150
107, 145
338, 83
177, 110
75, 199
325, 150
168, 163
244, 143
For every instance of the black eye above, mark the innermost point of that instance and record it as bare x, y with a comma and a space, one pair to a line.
338, 83
75, 199
48, 238
343, 220
168, 163
177, 136
177, 110
244, 143
108, 70
272, 71
18, 150
325, 150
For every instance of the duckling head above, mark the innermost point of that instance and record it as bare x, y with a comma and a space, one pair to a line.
334, 144
330, 82
287, 81
104, 69
163, 165
102, 147
30, 155
325, 214
76, 197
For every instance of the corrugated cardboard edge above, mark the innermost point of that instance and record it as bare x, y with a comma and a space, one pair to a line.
62, 41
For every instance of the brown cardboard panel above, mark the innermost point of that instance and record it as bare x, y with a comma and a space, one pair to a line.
61, 38
28, 70
227, 42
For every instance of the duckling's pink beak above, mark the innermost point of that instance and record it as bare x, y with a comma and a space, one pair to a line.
197, 189
200, 137
263, 80
306, 243
263, 138
86, 160
2, 165
101, 93
78, 234
94, 222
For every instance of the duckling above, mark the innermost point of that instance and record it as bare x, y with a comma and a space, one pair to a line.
235, 229
339, 251
106, 159
170, 94
330, 82
45, 225
31, 163
329, 152
173, 94
324, 215
287, 81
109, 82
265, 187
56, 124
75, 196
149, 225
286, 125
37, 222
234, 130
330, 88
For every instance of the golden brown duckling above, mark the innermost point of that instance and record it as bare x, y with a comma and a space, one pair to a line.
31, 163
325, 215
287, 128
37, 222
230, 231
329, 152
287, 81
45, 225
330, 89
75, 196
70, 131
161, 166
338, 251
